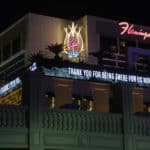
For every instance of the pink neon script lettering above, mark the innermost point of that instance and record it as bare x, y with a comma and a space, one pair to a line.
129, 29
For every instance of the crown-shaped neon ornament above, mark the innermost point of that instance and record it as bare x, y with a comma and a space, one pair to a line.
73, 42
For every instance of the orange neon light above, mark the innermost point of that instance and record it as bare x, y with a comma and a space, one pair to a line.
129, 29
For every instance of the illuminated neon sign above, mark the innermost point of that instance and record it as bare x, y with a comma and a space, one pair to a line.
10, 86
130, 29
73, 43
33, 67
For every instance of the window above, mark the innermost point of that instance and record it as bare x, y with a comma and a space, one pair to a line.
144, 45
108, 44
90, 105
50, 100
0, 55
147, 107
76, 101
16, 45
142, 63
124, 44
6, 51
85, 103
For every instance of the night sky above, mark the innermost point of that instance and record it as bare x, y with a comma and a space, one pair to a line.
137, 12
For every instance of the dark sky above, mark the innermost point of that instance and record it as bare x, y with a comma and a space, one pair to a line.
136, 12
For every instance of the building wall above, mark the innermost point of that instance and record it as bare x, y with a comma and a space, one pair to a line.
18, 29
93, 39
38, 31
43, 31
138, 99
39, 127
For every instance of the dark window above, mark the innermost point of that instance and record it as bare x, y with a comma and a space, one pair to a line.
124, 44
80, 103
144, 45
6, 51
142, 63
0, 55
76, 103
144, 59
108, 44
122, 64
16, 45
50, 99
146, 107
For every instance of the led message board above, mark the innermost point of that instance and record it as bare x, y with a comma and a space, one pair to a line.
97, 75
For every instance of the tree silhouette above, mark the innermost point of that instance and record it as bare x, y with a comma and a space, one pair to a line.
56, 49
36, 57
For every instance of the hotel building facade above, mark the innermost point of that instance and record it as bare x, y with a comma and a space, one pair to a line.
96, 96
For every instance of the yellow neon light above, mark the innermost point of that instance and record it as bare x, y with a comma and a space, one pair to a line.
73, 42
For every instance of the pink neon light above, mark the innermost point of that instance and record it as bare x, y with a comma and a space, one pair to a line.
73, 43
129, 29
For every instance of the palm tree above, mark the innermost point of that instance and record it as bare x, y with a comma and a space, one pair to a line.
56, 49
36, 57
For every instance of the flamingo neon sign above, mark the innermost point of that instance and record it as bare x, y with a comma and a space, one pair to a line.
130, 30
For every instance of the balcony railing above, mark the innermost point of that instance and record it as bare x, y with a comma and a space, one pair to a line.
141, 125
115, 60
13, 117
74, 121
80, 121
12, 65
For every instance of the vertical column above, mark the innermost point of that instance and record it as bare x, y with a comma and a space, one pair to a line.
1, 54
33, 93
128, 137
11, 48
63, 92
101, 96
93, 39
116, 102
137, 96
